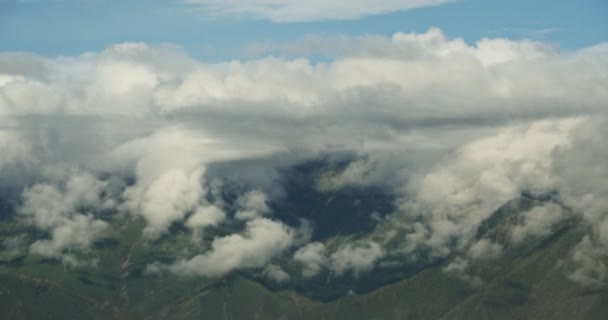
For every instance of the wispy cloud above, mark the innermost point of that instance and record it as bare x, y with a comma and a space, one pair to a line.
539, 32
286, 11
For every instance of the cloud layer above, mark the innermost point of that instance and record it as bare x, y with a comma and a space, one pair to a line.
301, 11
454, 130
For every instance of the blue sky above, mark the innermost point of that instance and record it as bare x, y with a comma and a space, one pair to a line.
67, 27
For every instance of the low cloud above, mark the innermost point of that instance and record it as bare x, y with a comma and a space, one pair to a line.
356, 258
451, 200
262, 240
12, 247
485, 249
251, 205
312, 258
276, 274
589, 269
66, 214
538, 222
205, 216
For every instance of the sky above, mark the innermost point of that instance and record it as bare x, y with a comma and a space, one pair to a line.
206, 30
157, 109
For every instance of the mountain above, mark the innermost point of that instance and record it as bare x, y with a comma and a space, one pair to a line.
527, 281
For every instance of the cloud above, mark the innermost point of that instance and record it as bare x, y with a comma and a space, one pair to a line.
76, 233
167, 199
312, 257
485, 249
482, 249
358, 258
460, 267
356, 174
169, 166
538, 222
12, 247
582, 185
67, 215
454, 130
453, 198
251, 205
261, 240
14, 148
205, 216
589, 268
276, 274
285, 11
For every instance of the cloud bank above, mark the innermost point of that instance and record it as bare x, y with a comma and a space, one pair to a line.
454, 130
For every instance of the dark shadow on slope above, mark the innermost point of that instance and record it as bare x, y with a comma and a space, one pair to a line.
342, 212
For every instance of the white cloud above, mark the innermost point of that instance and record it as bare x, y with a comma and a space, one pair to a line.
358, 173
251, 205
538, 222
453, 198
205, 216
66, 215
460, 267
583, 186
276, 274
299, 10
312, 257
76, 233
168, 199
169, 168
358, 258
456, 129
261, 240
485, 249
14, 148
12, 247
589, 268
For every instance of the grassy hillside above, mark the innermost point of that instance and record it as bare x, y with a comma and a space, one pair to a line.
527, 282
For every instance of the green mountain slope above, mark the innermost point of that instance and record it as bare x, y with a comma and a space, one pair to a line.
527, 282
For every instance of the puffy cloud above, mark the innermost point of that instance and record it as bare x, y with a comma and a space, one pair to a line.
312, 257
261, 240
453, 198
76, 233
412, 68
66, 215
460, 267
589, 268
298, 10
538, 222
583, 186
14, 148
167, 199
358, 258
205, 216
482, 249
252, 205
276, 273
12, 247
169, 167
485, 249
23, 65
